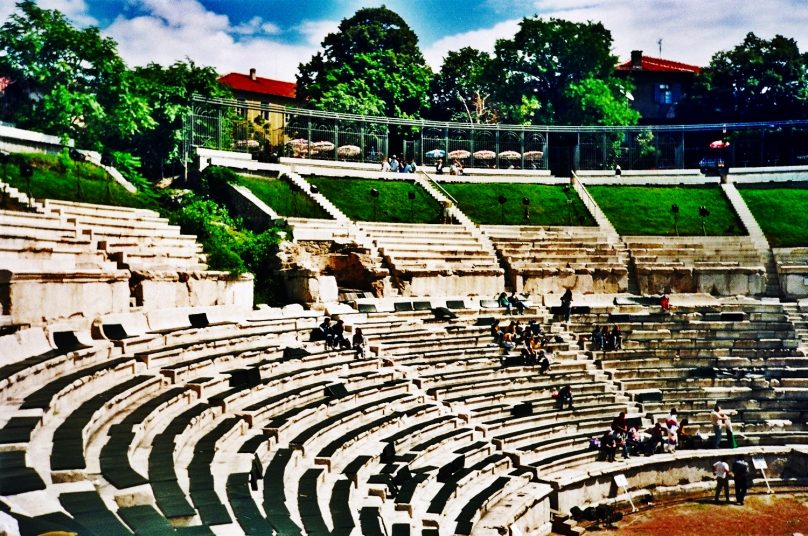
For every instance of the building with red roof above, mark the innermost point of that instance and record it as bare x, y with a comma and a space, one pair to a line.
257, 93
258, 89
659, 85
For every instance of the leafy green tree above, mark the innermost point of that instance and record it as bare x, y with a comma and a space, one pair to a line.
169, 91
68, 81
372, 65
545, 74
593, 102
462, 89
758, 80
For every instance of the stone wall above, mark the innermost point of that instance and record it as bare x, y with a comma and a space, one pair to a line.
725, 281
792, 267
672, 471
41, 298
160, 290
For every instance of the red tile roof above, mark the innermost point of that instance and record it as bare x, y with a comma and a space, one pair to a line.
659, 65
264, 86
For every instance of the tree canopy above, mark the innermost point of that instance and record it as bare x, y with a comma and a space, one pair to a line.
462, 89
68, 81
757, 80
372, 65
169, 91
544, 74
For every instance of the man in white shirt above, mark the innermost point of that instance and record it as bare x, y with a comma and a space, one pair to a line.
722, 474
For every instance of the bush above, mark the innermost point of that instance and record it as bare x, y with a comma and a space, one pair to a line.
231, 247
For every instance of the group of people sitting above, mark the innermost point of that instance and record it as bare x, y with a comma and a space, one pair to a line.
664, 436
393, 165
530, 339
511, 303
455, 169
334, 337
606, 339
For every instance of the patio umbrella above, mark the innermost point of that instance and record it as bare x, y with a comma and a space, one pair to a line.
510, 155
485, 155
348, 151
534, 155
250, 144
719, 144
298, 142
322, 146
435, 153
460, 154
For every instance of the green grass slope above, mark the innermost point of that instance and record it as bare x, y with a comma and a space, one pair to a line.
278, 194
352, 196
85, 182
781, 212
646, 210
548, 204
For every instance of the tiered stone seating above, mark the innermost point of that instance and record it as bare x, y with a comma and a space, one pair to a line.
550, 259
792, 270
724, 266
436, 260
744, 357
421, 435
48, 271
167, 268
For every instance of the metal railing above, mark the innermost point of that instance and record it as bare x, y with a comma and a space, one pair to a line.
270, 131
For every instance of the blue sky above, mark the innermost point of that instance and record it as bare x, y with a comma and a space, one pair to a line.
274, 36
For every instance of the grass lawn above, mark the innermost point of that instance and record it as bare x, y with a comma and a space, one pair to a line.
277, 194
646, 210
51, 181
781, 212
548, 204
352, 196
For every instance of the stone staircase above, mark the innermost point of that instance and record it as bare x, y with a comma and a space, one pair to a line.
800, 321
758, 238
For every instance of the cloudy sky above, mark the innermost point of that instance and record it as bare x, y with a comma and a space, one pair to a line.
274, 36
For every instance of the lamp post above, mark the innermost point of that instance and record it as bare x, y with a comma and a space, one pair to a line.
703, 213
526, 212
411, 197
567, 191
27, 172
5, 158
502, 200
77, 157
374, 197
675, 211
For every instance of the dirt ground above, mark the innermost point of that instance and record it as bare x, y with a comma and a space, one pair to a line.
761, 515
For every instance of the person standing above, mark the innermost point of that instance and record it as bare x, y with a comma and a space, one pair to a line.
566, 304
358, 343
722, 474
740, 471
719, 420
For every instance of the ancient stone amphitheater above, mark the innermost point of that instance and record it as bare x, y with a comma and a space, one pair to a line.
143, 394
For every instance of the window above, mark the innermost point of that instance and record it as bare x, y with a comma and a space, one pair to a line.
663, 94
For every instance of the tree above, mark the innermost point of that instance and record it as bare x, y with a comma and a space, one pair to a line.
67, 81
169, 91
372, 65
545, 73
758, 80
462, 89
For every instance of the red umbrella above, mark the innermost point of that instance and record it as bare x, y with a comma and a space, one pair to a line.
719, 144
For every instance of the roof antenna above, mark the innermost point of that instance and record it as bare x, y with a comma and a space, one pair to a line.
659, 42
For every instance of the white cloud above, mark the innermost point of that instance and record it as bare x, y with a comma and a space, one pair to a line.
483, 39
691, 30
75, 10
174, 30
316, 30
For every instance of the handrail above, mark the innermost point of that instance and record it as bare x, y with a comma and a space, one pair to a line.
440, 188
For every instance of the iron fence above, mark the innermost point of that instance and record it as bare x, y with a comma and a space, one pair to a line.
270, 131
